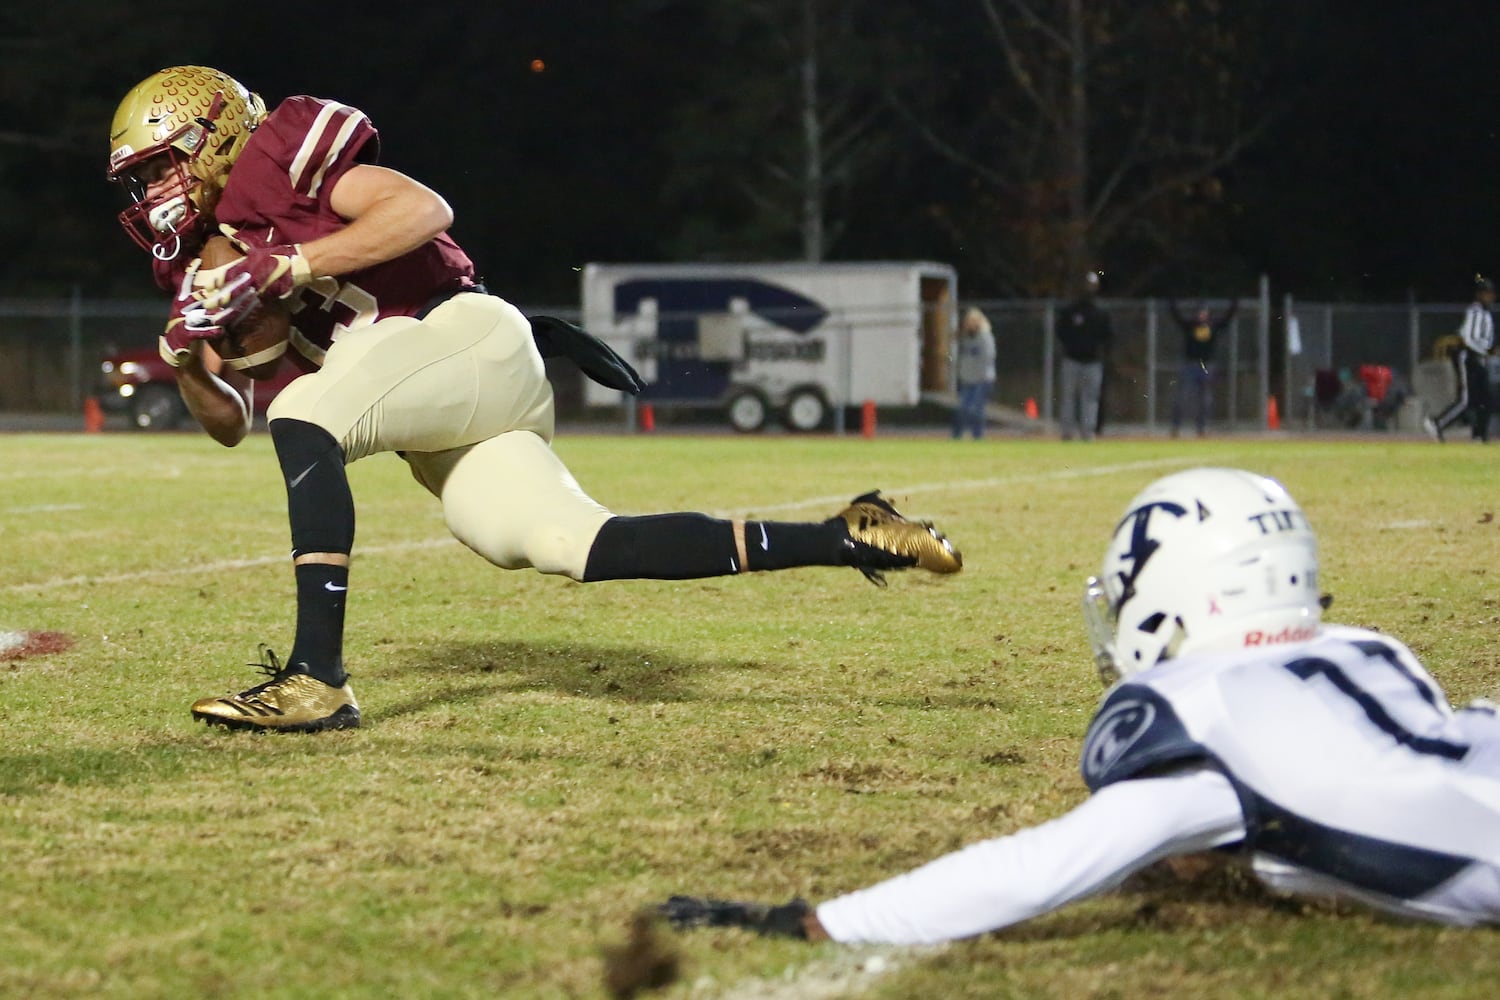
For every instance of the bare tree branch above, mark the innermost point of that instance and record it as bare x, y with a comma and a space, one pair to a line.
1205, 167
1031, 17
950, 151
1018, 71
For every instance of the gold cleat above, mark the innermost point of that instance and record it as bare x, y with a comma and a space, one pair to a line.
289, 702
881, 539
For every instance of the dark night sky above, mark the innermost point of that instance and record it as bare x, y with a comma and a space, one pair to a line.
1378, 180
1385, 180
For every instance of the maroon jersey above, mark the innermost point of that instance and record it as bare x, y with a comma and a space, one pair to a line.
278, 192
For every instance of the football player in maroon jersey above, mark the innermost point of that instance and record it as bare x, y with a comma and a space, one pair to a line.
404, 351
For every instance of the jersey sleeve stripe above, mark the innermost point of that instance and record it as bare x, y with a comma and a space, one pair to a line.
322, 146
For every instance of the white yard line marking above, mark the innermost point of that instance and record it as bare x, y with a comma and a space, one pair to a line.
847, 974
222, 566
963, 485
43, 508
952, 486
94, 472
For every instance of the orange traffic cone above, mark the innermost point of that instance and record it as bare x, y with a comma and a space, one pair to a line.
648, 417
93, 416
1031, 413
1273, 415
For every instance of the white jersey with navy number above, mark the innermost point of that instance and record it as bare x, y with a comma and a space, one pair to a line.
1478, 330
1353, 773
1336, 763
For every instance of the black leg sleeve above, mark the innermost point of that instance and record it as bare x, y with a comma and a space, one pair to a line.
321, 510
319, 504
692, 546
662, 547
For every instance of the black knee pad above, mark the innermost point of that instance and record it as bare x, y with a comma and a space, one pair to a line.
319, 503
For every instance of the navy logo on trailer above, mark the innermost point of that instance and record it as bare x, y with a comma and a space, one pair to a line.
680, 372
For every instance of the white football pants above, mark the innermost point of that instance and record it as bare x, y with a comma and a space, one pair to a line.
464, 396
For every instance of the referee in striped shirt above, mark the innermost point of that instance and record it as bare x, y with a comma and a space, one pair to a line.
1478, 337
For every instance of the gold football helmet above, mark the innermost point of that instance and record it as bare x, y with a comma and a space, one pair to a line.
186, 121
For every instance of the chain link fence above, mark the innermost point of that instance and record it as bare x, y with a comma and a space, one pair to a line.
1296, 352
1308, 356
1141, 374
51, 349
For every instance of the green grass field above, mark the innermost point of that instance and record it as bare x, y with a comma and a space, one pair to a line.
541, 758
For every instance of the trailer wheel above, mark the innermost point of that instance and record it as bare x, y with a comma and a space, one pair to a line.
747, 410
805, 411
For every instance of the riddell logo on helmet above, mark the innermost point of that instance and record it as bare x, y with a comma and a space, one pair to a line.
1299, 633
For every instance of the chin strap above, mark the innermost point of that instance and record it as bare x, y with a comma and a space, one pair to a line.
162, 254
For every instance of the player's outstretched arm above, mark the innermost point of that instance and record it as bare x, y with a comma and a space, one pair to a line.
996, 883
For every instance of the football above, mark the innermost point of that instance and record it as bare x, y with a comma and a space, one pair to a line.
256, 344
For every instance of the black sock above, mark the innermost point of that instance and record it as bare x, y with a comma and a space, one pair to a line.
694, 546
319, 647
784, 544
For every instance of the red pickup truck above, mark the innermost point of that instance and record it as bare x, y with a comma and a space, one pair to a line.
141, 385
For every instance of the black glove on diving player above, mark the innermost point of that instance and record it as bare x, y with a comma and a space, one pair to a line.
786, 920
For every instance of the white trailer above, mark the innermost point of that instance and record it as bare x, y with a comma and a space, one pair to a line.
796, 340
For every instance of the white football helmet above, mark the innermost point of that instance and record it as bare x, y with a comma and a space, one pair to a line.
1203, 559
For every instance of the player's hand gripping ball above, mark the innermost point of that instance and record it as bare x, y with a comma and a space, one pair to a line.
254, 342
271, 273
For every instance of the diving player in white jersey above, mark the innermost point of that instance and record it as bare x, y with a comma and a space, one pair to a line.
1326, 756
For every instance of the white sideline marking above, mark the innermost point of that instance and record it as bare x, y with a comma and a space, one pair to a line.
1420, 522
97, 472
42, 508
957, 485
961, 485
224, 565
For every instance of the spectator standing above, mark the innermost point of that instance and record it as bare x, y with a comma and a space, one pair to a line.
1477, 336
1200, 340
1085, 333
976, 373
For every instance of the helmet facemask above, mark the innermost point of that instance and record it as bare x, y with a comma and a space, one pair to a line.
159, 223
1205, 559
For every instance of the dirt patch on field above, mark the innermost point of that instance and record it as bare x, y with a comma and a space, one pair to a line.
23, 645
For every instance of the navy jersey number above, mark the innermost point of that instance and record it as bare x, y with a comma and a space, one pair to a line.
1313, 666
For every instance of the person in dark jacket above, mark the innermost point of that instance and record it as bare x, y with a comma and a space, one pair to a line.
1085, 332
